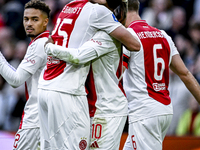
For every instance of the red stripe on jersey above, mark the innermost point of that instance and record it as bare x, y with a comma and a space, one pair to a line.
119, 74
125, 61
27, 97
43, 34
61, 35
26, 92
91, 96
156, 60
20, 125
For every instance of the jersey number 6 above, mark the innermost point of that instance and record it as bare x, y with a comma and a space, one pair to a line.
156, 61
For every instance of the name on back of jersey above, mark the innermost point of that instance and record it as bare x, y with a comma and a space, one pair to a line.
150, 34
71, 10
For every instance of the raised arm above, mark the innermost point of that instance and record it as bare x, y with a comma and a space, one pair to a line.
178, 67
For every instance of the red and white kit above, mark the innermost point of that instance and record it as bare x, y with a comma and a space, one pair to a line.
28, 135
146, 82
107, 102
76, 24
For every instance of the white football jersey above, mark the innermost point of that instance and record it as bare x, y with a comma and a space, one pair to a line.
34, 61
76, 24
106, 97
146, 78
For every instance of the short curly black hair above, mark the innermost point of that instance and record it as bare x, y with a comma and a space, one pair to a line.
38, 4
113, 3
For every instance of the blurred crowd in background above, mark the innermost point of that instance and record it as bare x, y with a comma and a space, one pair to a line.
179, 18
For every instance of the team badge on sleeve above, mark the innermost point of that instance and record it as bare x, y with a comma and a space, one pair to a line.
115, 18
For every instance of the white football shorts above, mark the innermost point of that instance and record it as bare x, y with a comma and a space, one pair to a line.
106, 132
148, 134
27, 139
64, 121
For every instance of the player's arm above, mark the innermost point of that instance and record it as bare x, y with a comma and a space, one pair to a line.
14, 77
103, 19
178, 67
126, 38
74, 56
99, 45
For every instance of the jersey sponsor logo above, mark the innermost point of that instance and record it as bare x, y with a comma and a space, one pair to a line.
159, 86
94, 145
115, 19
30, 60
51, 60
83, 144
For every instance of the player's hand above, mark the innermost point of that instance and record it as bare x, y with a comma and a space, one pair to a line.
50, 40
48, 49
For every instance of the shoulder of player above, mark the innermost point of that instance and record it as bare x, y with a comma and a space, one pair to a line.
103, 37
100, 9
37, 46
166, 36
133, 33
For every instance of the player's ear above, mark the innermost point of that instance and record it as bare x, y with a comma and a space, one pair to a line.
46, 20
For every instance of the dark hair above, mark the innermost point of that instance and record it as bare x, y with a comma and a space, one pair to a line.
38, 4
133, 5
121, 11
113, 3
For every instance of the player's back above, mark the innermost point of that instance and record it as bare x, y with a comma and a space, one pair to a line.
106, 97
76, 24
147, 78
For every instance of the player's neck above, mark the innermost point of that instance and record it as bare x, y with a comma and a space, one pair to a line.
131, 16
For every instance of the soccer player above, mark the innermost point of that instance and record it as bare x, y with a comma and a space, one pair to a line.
108, 104
146, 81
36, 16
62, 96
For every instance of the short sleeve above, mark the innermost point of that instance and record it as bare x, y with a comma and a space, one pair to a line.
102, 18
126, 51
174, 50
